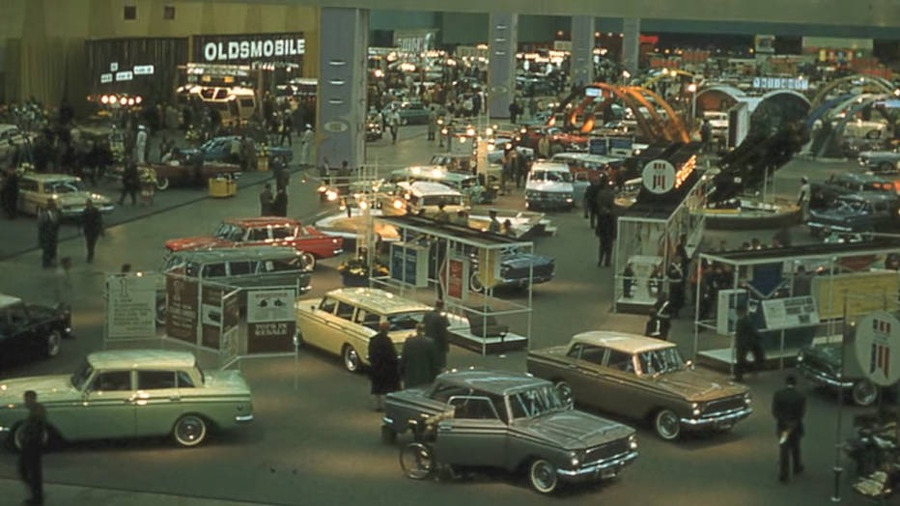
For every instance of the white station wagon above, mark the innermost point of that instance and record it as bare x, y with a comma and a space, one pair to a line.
131, 393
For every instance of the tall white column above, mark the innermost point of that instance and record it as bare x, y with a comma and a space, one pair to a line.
340, 123
582, 67
631, 44
503, 40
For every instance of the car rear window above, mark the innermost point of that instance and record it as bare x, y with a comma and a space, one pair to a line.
156, 380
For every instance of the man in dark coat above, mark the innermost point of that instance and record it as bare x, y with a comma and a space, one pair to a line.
92, 227
280, 203
10, 194
747, 340
436, 325
32, 430
266, 201
606, 233
590, 202
131, 184
789, 408
384, 367
48, 233
419, 360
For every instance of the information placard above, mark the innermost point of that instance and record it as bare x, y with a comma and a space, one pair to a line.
790, 312
130, 306
270, 320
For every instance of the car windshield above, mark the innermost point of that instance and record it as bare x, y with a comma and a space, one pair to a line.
229, 232
63, 187
405, 321
661, 361
81, 375
850, 206
553, 176
536, 402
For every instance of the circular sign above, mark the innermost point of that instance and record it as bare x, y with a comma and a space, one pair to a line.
336, 126
658, 176
877, 345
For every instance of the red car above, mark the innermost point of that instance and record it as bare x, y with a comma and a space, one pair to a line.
237, 232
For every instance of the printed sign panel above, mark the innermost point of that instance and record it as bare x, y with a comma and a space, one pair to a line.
181, 308
130, 306
877, 345
659, 176
211, 316
270, 320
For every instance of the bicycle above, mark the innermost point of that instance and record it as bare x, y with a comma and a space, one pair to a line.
417, 459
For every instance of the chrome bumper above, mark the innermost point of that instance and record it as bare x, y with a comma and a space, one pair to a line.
820, 378
826, 226
724, 418
600, 469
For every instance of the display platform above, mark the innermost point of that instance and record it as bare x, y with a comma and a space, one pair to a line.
465, 339
751, 216
723, 359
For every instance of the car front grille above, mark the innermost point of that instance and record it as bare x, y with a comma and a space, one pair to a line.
606, 451
723, 405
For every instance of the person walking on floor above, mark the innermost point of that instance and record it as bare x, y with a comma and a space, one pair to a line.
280, 203
32, 430
48, 233
747, 340
131, 184
432, 124
307, 141
394, 124
286, 129
266, 200
419, 359
384, 366
789, 408
590, 202
436, 325
606, 233
91, 226
513, 111
10, 194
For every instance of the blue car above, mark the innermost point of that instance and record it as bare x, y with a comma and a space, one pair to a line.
218, 149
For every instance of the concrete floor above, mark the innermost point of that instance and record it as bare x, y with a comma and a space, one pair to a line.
319, 443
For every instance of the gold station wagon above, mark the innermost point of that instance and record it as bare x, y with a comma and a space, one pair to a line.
131, 393
643, 379
69, 192
342, 322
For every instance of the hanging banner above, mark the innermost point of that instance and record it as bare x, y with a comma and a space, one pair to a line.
130, 306
271, 323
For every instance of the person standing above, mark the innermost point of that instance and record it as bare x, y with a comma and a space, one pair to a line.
91, 226
280, 203
606, 233
384, 366
747, 340
306, 144
140, 146
705, 135
675, 273
432, 124
64, 290
48, 233
436, 325
266, 200
287, 129
131, 183
494, 224
590, 202
513, 111
789, 408
33, 430
394, 123
803, 198
419, 359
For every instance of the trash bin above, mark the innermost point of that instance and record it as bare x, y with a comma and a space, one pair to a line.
221, 187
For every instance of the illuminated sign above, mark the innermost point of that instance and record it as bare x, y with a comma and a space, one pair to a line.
592, 92
659, 176
781, 83
248, 48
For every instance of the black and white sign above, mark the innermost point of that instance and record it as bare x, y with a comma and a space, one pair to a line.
106, 78
270, 305
659, 176
143, 70
790, 312
130, 306
125, 75
114, 67
877, 346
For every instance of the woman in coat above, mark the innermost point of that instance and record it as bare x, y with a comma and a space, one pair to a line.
384, 370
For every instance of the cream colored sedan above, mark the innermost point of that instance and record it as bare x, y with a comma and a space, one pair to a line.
69, 192
131, 393
343, 321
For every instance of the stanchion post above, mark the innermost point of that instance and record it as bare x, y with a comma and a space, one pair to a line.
838, 470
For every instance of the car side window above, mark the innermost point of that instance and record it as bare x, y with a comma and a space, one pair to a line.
17, 315
282, 232
258, 234
156, 380
473, 408
184, 380
593, 354
575, 351
367, 319
345, 310
112, 381
214, 270
327, 305
444, 392
240, 268
620, 360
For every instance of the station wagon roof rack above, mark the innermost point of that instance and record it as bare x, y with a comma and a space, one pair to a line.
136, 359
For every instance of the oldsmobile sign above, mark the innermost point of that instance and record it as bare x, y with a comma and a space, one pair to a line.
285, 47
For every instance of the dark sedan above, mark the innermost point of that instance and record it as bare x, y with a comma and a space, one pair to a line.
218, 149
29, 331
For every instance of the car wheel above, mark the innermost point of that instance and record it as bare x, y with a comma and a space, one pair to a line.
542, 476
475, 283
309, 259
388, 434
54, 344
417, 461
351, 359
886, 167
667, 425
565, 393
189, 431
864, 393
17, 439
162, 183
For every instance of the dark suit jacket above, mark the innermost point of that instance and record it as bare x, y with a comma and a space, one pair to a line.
419, 363
789, 408
436, 328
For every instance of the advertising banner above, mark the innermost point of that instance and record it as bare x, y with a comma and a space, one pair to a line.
249, 48
864, 292
130, 307
270, 320
454, 278
790, 312
181, 308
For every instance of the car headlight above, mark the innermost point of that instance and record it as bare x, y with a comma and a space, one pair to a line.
632, 442
696, 409
800, 357
567, 196
747, 398
575, 458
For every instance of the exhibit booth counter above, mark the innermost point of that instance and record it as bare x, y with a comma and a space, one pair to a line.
796, 297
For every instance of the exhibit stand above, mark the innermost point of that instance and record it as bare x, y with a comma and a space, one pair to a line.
795, 296
668, 207
462, 266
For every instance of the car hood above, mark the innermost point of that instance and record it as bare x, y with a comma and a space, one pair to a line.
838, 213
48, 388
697, 386
523, 260
830, 353
550, 186
573, 429
193, 243
230, 381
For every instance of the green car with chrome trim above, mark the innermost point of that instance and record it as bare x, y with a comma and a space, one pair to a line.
131, 393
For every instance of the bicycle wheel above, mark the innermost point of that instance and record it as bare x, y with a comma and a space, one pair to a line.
417, 461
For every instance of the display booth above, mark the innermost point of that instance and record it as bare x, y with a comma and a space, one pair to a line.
795, 296
668, 207
464, 267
